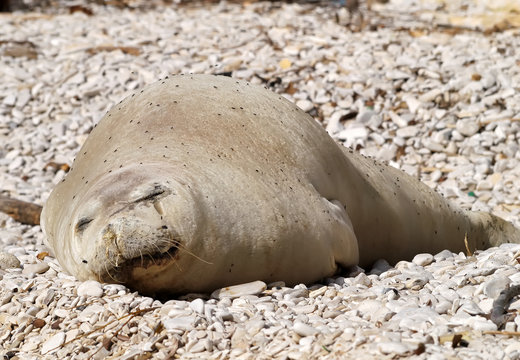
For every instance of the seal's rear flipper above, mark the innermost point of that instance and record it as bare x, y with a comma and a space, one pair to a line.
488, 230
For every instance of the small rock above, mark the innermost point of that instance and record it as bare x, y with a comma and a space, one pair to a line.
304, 329
398, 120
8, 261
443, 307
471, 308
467, 127
296, 294
495, 285
318, 292
407, 132
352, 133
23, 98
362, 279
380, 266
413, 104
368, 308
416, 283
443, 255
54, 343
90, 288
305, 105
430, 95
514, 347
180, 323
38, 323
197, 305
304, 309
510, 326
423, 259
252, 288
38, 268
10, 100
392, 348
224, 315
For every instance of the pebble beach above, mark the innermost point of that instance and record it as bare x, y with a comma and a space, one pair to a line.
429, 87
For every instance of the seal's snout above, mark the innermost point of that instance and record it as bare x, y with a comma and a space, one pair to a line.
128, 243
132, 226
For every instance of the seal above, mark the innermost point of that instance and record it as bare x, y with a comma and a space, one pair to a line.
198, 182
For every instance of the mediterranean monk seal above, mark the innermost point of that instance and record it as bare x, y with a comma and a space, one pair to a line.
198, 182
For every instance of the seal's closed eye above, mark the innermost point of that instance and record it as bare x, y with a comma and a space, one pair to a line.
82, 224
156, 193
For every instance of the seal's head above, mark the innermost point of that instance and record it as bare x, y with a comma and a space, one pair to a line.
127, 227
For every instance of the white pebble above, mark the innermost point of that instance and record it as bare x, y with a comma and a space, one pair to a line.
53, 343
423, 259
305, 105
252, 288
8, 261
180, 323
197, 305
304, 329
394, 348
38, 268
90, 288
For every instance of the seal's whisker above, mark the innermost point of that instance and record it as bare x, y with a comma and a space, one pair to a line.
107, 271
141, 257
180, 246
178, 266
110, 260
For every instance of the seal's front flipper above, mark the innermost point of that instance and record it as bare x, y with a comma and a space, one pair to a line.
345, 243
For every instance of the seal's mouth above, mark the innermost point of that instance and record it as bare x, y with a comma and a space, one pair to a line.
124, 272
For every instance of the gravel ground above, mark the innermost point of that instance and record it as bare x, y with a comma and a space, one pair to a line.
429, 88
